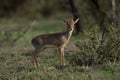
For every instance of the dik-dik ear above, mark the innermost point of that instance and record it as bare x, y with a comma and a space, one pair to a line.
65, 20
76, 20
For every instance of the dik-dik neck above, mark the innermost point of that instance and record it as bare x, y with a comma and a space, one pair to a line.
68, 33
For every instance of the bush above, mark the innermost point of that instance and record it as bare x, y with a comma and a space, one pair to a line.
97, 47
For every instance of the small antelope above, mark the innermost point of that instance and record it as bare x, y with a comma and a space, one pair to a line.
58, 40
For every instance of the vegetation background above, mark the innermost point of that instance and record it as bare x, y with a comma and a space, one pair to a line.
93, 52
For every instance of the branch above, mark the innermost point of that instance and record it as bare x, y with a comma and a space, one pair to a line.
24, 31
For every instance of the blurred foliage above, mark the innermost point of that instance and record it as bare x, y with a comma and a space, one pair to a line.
97, 47
7, 7
35, 8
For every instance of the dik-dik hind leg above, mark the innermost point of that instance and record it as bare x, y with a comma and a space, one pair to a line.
34, 60
34, 56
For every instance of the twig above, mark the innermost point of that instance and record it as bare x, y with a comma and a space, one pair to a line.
24, 31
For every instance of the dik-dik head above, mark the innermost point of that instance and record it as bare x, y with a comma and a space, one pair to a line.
70, 23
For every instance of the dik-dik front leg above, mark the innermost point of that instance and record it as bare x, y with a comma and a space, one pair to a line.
61, 51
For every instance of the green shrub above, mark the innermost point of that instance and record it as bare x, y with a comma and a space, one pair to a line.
97, 47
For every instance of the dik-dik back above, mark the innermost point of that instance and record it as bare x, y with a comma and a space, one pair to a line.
50, 39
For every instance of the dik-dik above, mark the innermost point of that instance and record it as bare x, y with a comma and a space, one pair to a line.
59, 40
